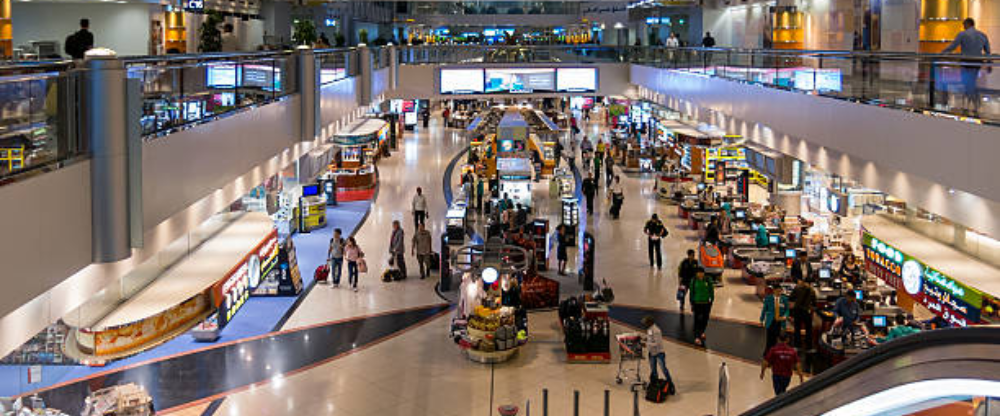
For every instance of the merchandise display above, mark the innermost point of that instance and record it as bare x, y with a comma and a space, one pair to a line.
586, 329
490, 323
122, 400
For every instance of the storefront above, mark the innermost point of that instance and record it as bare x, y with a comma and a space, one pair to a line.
353, 167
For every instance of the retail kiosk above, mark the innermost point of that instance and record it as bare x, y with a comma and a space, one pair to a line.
358, 142
515, 179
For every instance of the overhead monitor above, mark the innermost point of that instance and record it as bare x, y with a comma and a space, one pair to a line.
576, 79
520, 80
461, 81
221, 76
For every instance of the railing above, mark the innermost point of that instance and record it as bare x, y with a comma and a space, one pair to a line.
950, 85
182, 90
336, 64
471, 54
38, 114
953, 85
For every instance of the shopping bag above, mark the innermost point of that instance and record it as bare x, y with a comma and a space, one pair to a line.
681, 292
362, 266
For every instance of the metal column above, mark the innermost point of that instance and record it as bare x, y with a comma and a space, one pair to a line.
308, 94
104, 110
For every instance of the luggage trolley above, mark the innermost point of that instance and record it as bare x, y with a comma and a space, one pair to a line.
630, 349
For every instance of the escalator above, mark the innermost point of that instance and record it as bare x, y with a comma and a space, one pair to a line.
947, 372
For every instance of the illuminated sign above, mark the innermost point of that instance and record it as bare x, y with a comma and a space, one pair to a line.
948, 298
233, 291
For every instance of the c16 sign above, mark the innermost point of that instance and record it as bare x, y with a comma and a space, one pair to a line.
948, 298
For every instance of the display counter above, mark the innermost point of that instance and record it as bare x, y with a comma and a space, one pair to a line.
956, 287
354, 179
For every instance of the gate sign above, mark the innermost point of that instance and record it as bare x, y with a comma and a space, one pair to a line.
948, 298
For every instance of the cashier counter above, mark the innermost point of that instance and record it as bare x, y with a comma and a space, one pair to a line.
878, 311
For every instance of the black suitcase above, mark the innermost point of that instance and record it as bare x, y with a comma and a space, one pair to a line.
657, 390
435, 261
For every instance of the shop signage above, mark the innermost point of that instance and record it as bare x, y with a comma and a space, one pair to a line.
234, 290
948, 298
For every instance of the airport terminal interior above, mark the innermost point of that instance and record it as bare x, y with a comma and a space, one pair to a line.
641, 207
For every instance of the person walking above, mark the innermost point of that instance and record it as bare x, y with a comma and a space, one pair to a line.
419, 206
803, 303
783, 361
773, 315
397, 247
708, 41
712, 231
598, 158
973, 43
609, 168
562, 243
702, 296
686, 273
673, 41
480, 190
81, 41
589, 191
422, 248
229, 41
336, 256
353, 255
617, 196
655, 231
657, 355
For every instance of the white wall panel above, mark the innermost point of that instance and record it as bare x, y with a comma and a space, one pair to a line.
183, 167
122, 27
912, 156
337, 100
46, 224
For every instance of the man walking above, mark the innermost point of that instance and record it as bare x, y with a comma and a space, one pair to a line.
419, 206
655, 231
702, 297
336, 256
686, 273
422, 248
783, 361
397, 247
81, 41
973, 43
589, 190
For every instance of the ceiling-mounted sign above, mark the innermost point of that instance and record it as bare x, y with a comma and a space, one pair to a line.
948, 298
194, 5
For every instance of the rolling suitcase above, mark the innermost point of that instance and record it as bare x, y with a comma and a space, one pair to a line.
322, 273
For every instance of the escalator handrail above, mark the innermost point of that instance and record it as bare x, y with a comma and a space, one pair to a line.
875, 356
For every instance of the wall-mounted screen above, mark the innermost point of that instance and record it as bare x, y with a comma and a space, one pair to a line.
520, 80
221, 76
461, 81
576, 79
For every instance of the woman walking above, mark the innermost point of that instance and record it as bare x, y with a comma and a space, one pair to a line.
353, 255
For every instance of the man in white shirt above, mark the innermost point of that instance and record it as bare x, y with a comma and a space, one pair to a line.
654, 346
673, 41
419, 206
229, 41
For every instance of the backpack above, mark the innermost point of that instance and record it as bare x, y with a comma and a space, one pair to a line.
72, 44
657, 390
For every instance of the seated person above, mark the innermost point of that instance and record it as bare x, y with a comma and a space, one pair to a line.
901, 329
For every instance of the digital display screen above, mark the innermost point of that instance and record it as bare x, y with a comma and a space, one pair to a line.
521, 80
789, 253
879, 321
461, 81
264, 77
221, 76
775, 239
310, 190
226, 99
741, 214
859, 294
576, 79
824, 273
192, 110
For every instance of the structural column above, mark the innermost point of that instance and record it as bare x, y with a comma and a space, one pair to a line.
105, 109
365, 75
308, 93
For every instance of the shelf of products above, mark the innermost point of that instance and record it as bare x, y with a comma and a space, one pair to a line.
787, 28
940, 22
175, 38
587, 331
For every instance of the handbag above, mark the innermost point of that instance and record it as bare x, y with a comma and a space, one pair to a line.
362, 266
681, 292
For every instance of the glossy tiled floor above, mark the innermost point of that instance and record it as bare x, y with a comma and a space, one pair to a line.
422, 372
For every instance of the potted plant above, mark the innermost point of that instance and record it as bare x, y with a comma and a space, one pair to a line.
363, 36
304, 32
339, 40
209, 36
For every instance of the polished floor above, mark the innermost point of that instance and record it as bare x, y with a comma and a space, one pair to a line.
384, 350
